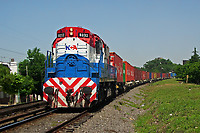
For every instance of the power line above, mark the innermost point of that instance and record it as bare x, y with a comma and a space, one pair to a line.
22, 35
12, 51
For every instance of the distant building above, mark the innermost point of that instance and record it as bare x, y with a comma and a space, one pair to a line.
12, 65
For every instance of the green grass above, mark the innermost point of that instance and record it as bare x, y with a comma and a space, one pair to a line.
130, 103
137, 98
172, 107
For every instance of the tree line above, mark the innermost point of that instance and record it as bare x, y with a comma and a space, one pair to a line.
189, 72
159, 65
30, 77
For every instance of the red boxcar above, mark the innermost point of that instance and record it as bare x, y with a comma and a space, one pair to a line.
128, 72
147, 75
158, 75
163, 75
140, 75
143, 75
133, 73
137, 74
117, 61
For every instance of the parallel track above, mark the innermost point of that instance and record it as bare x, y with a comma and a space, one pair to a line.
20, 107
20, 118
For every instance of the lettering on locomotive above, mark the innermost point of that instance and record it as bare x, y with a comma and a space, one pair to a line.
60, 35
85, 35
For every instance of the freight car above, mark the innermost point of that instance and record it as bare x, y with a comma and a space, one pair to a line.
80, 71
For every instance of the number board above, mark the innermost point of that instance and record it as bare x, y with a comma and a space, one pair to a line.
85, 35
59, 35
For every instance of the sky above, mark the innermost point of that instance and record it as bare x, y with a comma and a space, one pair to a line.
137, 30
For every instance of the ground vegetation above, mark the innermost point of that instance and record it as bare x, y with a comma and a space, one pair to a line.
172, 106
190, 72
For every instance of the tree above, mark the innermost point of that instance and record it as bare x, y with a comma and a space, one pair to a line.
23, 67
6, 84
195, 57
15, 83
159, 65
190, 69
34, 67
4, 70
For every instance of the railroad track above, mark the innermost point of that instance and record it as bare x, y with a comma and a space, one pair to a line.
70, 125
17, 114
13, 121
8, 110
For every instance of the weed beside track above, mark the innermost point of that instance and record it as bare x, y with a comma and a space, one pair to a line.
173, 106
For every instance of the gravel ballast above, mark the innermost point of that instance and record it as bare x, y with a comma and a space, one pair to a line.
118, 116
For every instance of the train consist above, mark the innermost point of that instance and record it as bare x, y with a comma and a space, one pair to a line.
80, 71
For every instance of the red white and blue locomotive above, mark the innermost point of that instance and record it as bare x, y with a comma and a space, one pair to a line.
80, 71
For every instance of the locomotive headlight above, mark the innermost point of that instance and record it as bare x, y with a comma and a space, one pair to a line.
71, 33
71, 29
49, 90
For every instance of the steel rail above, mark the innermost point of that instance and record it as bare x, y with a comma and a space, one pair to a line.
5, 127
68, 122
19, 107
20, 104
21, 115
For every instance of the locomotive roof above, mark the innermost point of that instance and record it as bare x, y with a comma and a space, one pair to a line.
76, 31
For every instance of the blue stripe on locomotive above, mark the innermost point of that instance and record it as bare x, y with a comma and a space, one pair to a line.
74, 65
